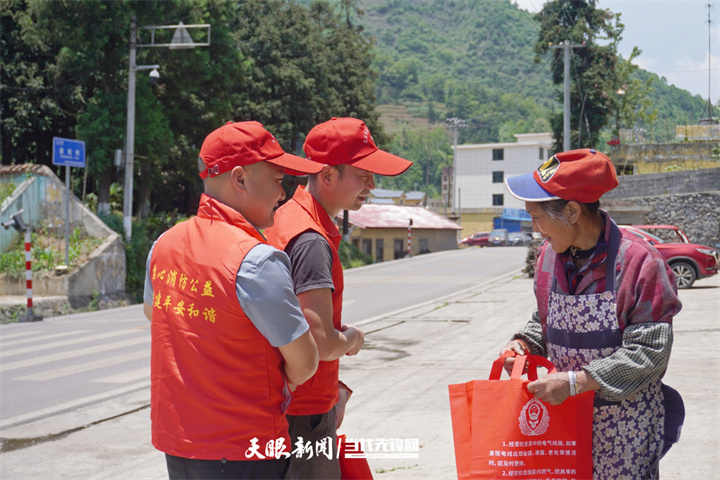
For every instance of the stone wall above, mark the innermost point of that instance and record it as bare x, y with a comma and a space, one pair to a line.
687, 199
666, 183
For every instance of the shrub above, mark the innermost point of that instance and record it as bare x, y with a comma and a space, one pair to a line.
144, 234
351, 256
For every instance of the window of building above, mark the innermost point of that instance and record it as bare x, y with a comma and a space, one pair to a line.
356, 243
498, 199
497, 177
379, 250
398, 248
424, 245
498, 154
542, 154
367, 246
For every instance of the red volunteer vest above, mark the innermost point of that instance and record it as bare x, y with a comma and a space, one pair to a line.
217, 383
300, 214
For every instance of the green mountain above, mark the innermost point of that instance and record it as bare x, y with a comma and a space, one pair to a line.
474, 60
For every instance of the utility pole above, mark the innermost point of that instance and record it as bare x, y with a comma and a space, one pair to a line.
709, 120
455, 124
567, 46
180, 40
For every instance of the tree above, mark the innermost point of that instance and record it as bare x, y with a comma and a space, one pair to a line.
632, 103
429, 150
31, 114
65, 62
306, 66
83, 47
594, 67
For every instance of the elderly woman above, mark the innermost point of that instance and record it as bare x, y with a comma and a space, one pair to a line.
605, 303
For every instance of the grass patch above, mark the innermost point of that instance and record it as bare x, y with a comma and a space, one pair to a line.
47, 251
383, 470
6, 189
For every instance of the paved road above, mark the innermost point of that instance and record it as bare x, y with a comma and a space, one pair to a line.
377, 290
400, 380
67, 362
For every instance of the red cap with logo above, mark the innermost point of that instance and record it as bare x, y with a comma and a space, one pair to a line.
243, 143
582, 175
348, 141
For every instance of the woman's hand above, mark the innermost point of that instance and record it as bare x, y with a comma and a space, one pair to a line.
517, 346
553, 388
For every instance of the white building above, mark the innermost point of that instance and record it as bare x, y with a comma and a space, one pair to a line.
482, 169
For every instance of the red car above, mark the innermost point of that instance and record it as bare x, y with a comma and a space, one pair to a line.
689, 261
476, 239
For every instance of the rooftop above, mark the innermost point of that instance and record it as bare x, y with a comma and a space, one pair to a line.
398, 216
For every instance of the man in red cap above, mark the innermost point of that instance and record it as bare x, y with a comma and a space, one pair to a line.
305, 230
229, 340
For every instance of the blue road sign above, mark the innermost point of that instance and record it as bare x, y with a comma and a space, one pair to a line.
70, 153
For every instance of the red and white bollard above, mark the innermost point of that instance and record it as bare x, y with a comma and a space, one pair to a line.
28, 272
18, 224
29, 316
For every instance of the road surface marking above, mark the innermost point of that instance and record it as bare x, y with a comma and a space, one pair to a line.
47, 346
5, 366
126, 377
85, 367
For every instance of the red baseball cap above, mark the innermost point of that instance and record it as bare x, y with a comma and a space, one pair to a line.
348, 141
582, 175
243, 143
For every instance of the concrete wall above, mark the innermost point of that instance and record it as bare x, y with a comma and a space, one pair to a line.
480, 220
103, 273
656, 158
41, 196
697, 132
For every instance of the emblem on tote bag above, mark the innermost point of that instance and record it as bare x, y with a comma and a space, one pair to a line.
534, 418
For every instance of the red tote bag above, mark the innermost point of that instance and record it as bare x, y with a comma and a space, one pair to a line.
353, 463
501, 431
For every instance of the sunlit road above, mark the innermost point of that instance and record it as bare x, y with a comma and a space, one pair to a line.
63, 363
386, 287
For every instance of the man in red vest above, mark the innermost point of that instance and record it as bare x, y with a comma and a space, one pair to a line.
229, 340
305, 230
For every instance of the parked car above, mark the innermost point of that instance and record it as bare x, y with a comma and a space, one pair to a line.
519, 239
689, 261
499, 236
479, 239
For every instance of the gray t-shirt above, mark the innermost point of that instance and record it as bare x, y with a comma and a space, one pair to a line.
265, 293
311, 258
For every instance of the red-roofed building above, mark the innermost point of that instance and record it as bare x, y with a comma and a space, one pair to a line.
381, 231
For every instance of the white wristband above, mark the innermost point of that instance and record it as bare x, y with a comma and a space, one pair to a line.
573, 379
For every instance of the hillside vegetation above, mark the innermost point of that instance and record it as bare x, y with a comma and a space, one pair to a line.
475, 60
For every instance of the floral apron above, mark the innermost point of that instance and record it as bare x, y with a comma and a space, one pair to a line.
627, 435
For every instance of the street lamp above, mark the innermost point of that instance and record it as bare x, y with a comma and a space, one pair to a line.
181, 39
620, 91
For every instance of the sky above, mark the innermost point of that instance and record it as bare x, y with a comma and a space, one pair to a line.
673, 36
